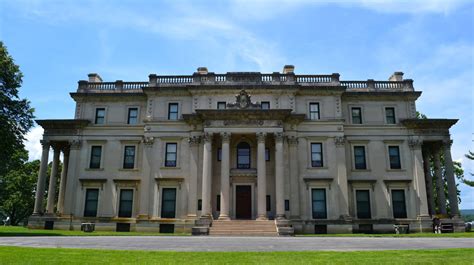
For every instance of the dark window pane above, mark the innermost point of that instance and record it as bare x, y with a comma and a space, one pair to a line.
316, 155
132, 116
90, 207
126, 203
168, 205
356, 115
269, 203
199, 205
390, 115
398, 203
359, 157
129, 157
221, 105
265, 105
363, 204
171, 155
99, 116
218, 203
314, 111
394, 154
173, 111
243, 155
287, 205
319, 203
96, 153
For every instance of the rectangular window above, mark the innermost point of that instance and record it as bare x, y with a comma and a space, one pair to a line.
265, 104
173, 111
171, 155
314, 111
356, 115
287, 205
126, 203
319, 203
219, 154
92, 200
394, 155
398, 202
316, 155
129, 157
100, 116
199, 205
168, 203
221, 105
269, 203
359, 157
363, 204
96, 154
267, 154
218, 203
132, 116
390, 115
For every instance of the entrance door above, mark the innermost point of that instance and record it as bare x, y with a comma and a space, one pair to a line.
243, 204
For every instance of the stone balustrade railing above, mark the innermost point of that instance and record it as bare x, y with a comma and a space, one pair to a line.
234, 78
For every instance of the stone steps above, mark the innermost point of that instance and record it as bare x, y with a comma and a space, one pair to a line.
243, 228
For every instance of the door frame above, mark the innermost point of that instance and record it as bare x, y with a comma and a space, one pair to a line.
234, 199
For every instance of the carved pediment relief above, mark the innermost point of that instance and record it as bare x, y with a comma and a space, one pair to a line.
243, 101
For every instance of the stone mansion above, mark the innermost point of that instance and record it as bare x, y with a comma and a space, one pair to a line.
288, 153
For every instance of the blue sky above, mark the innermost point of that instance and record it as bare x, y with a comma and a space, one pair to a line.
56, 43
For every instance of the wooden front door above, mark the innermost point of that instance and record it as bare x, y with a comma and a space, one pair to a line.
243, 204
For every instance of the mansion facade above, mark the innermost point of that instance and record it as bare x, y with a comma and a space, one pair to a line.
310, 153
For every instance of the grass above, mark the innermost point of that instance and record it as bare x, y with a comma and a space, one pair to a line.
24, 255
23, 231
466, 234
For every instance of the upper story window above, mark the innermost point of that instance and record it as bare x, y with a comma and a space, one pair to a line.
129, 157
316, 154
243, 155
363, 204
359, 157
126, 203
314, 111
92, 199
398, 204
390, 115
173, 111
171, 154
394, 157
96, 154
132, 116
100, 116
265, 104
221, 105
356, 113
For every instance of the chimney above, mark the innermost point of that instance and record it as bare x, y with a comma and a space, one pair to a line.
94, 77
397, 76
288, 69
202, 70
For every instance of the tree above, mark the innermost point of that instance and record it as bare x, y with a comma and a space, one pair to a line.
16, 115
468, 182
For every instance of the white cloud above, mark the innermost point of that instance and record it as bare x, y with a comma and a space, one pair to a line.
32, 143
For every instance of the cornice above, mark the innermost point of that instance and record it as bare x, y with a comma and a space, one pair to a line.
429, 124
381, 95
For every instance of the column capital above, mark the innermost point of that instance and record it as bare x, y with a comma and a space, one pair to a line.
75, 144
66, 148
207, 137
292, 139
261, 137
279, 137
148, 141
340, 141
446, 144
194, 140
57, 147
45, 143
225, 137
415, 143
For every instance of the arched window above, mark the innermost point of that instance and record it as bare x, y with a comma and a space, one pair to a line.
243, 155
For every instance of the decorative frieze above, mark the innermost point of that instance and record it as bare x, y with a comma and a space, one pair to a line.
75, 144
415, 143
340, 141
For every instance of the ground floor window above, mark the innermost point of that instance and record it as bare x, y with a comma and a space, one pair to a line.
92, 199
319, 203
363, 204
126, 203
168, 203
399, 205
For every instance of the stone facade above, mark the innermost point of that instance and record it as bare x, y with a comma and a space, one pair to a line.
312, 152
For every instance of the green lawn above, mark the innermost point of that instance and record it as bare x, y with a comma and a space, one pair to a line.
22, 255
23, 231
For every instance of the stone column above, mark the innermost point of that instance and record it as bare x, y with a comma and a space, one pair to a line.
147, 182
419, 177
194, 142
449, 168
261, 178
294, 183
207, 177
428, 182
52, 180
62, 184
340, 141
279, 182
439, 182
41, 179
75, 159
225, 181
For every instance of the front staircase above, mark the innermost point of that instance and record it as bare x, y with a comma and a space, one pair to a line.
243, 228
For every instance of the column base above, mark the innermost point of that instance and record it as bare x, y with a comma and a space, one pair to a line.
36, 214
280, 217
223, 217
262, 218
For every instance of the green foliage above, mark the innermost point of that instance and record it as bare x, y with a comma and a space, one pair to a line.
468, 182
16, 115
